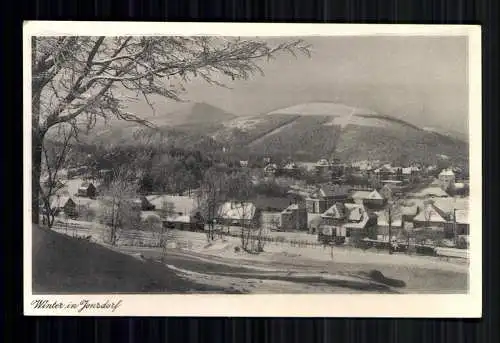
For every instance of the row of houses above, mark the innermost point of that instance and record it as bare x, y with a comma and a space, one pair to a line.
341, 218
449, 216
359, 210
325, 196
287, 168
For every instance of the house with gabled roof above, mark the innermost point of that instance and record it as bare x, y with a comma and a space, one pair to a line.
360, 196
322, 163
342, 219
335, 214
63, 204
430, 217
446, 178
369, 198
462, 223
374, 199
322, 167
408, 212
386, 192
456, 212
385, 172
87, 189
325, 196
270, 169
143, 203
240, 213
180, 203
431, 192
314, 221
290, 168
294, 217
385, 220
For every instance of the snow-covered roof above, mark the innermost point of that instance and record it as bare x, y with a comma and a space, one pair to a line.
361, 194
382, 221
81, 201
447, 172
314, 219
146, 214
292, 207
409, 210
335, 211
374, 195
60, 201
462, 216
179, 219
429, 214
290, 165
432, 191
323, 162
358, 214
237, 210
333, 191
391, 182
354, 213
85, 185
447, 205
183, 204
271, 166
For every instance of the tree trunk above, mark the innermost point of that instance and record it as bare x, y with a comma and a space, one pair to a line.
36, 169
36, 146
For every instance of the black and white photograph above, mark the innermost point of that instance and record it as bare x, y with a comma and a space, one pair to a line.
227, 163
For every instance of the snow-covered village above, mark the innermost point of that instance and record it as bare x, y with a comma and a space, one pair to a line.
335, 171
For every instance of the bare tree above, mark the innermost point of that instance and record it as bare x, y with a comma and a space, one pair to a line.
210, 197
240, 191
78, 79
427, 212
275, 223
54, 158
391, 212
152, 223
258, 240
119, 210
245, 214
167, 209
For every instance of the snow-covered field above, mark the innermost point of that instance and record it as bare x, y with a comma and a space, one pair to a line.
225, 248
284, 267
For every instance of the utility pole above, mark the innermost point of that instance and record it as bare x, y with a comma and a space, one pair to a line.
390, 227
455, 226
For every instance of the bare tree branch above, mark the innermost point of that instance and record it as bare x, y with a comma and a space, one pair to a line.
85, 74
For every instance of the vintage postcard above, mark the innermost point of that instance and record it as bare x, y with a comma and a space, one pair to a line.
196, 169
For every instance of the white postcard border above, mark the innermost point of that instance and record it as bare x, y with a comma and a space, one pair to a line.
334, 305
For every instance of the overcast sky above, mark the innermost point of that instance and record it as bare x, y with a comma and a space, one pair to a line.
419, 79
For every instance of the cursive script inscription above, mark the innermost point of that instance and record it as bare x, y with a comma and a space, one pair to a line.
82, 306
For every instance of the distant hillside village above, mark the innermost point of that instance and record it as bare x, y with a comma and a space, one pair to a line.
334, 200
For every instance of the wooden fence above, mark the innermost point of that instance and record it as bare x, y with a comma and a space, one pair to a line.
152, 240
